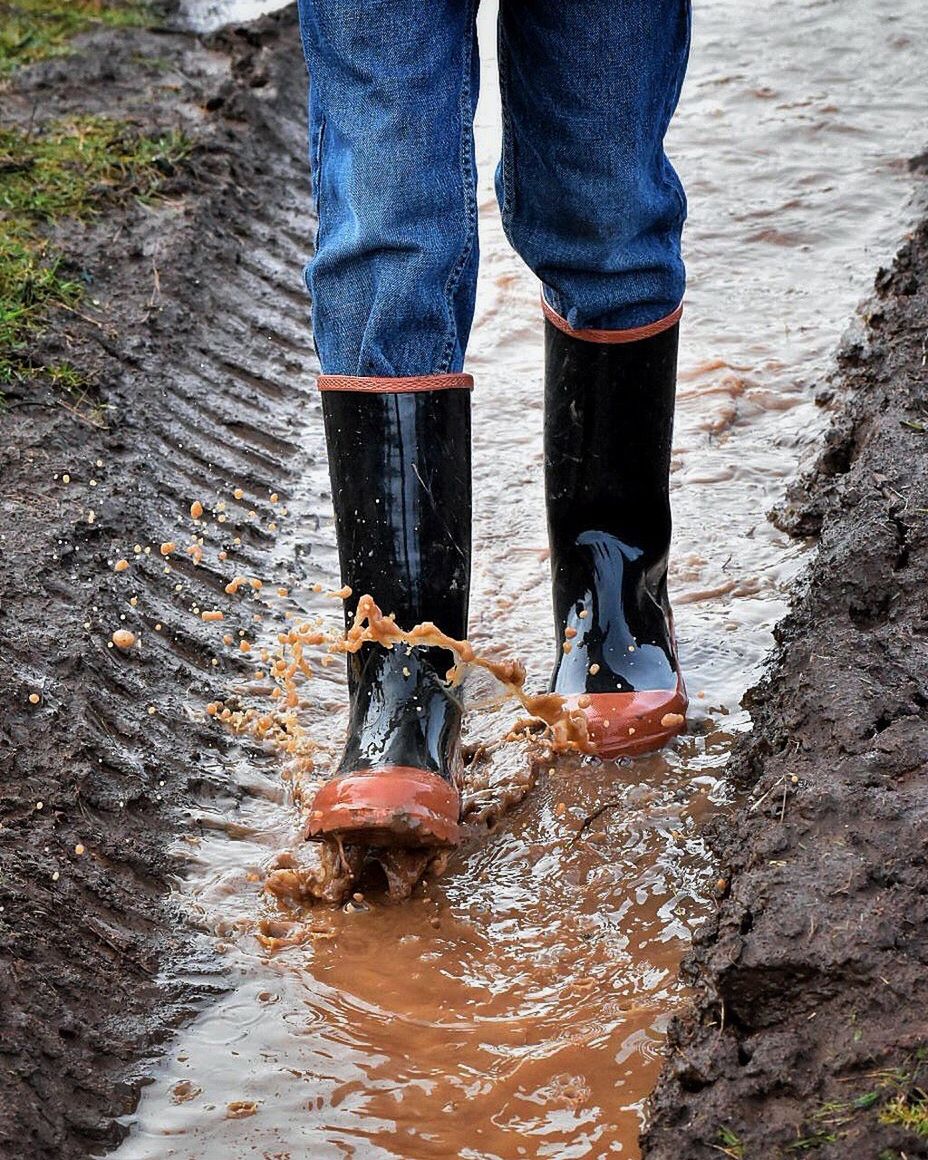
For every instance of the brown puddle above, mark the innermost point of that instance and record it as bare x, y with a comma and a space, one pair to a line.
516, 1005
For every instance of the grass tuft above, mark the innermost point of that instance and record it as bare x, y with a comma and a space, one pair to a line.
68, 170
32, 30
730, 1144
907, 1110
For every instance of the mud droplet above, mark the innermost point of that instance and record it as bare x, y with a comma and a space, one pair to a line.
239, 1109
672, 720
184, 1091
594, 669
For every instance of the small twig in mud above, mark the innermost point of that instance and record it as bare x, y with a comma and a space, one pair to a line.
591, 818
156, 287
83, 317
82, 418
764, 796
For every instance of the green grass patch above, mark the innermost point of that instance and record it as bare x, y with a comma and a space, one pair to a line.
68, 170
32, 30
908, 1110
730, 1144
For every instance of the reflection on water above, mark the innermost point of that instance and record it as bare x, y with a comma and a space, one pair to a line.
516, 1008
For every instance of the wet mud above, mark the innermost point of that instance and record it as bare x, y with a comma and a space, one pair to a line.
102, 759
809, 1033
152, 862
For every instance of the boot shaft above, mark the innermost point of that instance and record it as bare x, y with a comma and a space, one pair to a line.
608, 433
399, 464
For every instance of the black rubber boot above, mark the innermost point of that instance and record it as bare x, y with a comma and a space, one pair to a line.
608, 428
401, 488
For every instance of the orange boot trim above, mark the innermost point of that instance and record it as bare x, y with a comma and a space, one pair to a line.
634, 334
629, 724
395, 805
385, 386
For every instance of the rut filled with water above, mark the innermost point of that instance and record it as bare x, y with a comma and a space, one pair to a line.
516, 1004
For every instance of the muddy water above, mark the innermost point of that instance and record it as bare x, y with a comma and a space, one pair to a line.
516, 1006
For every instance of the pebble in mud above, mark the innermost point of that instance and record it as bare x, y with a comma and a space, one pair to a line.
120, 565
34, 698
123, 639
196, 509
168, 547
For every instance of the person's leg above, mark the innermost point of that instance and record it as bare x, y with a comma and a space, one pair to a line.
591, 202
392, 96
393, 88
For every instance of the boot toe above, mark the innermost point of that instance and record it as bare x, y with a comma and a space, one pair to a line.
393, 805
629, 724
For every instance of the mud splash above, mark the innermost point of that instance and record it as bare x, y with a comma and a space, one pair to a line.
517, 1005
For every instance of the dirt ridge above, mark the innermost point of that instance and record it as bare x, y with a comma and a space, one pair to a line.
195, 335
810, 1030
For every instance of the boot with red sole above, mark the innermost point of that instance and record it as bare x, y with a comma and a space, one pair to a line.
609, 401
399, 459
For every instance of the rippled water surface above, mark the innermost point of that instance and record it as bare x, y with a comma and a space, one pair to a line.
516, 1006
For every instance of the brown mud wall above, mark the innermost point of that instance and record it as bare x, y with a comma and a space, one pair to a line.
810, 1029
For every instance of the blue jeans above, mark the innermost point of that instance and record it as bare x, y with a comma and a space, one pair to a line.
587, 195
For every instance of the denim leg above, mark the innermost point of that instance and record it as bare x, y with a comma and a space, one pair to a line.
588, 197
393, 87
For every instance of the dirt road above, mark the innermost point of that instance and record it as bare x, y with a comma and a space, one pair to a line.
192, 337
102, 772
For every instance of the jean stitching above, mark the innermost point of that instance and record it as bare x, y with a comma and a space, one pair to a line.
507, 209
670, 104
317, 182
467, 181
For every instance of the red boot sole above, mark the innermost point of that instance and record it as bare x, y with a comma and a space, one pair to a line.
630, 724
395, 805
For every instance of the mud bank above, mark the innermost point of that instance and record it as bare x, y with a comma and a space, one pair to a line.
810, 1032
101, 760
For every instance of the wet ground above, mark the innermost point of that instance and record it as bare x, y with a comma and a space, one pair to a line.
525, 996
809, 1032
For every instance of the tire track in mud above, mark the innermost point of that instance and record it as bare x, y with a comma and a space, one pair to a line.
199, 340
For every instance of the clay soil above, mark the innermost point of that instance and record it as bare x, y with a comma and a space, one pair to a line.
810, 1030
809, 1026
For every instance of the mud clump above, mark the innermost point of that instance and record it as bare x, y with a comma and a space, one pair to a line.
84, 929
809, 1034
